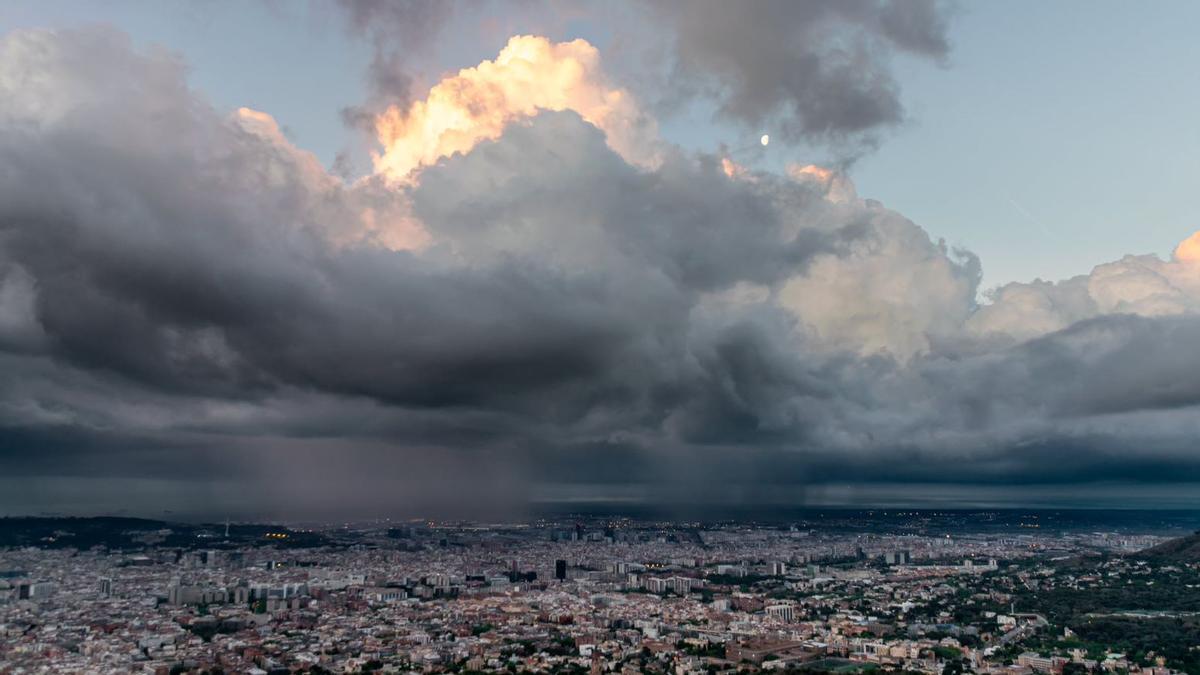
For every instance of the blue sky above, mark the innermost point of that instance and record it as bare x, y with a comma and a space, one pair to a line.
1060, 135
1057, 136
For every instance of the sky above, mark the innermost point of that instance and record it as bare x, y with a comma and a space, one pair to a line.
389, 257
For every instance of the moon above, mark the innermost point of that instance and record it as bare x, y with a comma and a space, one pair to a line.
764, 140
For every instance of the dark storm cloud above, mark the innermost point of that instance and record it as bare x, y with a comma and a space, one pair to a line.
554, 190
260, 298
817, 70
397, 29
1120, 363
202, 270
414, 22
187, 299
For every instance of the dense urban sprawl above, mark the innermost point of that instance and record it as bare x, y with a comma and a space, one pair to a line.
598, 596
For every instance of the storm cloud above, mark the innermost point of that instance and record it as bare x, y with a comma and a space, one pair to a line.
188, 300
813, 71
396, 29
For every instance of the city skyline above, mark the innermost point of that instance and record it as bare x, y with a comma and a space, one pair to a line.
392, 258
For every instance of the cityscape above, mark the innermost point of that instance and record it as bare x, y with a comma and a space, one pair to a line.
845, 592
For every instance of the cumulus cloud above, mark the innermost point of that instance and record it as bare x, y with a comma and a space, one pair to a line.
1144, 285
186, 297
893, 291
531, 74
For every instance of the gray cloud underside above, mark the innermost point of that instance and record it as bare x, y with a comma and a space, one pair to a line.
178, 302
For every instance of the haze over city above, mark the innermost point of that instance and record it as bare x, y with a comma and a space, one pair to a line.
324, 259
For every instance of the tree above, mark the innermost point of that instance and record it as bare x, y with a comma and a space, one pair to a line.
953, 667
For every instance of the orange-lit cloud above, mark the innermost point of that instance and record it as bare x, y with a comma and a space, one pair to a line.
732, 168
529, 75
1188, 250
836, 186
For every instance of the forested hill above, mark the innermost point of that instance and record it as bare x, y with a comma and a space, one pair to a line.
1181, 550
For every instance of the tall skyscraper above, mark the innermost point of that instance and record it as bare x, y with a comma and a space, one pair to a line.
560, 569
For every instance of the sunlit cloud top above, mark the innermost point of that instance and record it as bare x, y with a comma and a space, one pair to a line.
530, 74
